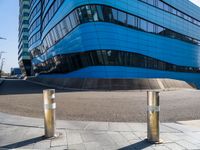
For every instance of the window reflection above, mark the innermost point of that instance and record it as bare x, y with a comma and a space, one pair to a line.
75, 61
92, 13
166, 7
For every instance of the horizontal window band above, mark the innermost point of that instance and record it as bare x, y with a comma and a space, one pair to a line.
102, 13
172, 10
66, 63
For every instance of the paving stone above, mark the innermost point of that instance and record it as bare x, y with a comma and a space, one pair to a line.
110, 147
95, 135
138, 127
88, 136
93, 146
187, 145
148, 148
73, 137
72, 125
182, 128
171, 137
61, 140
59, 148
194, 135
118, 138
138, 145
104, 139
161, 147
167, 129
141, 135
8, 137
129, 135
27, 147
174, 146
97, 126
190, 139
46, 144
118, 127
77, 147
21, 121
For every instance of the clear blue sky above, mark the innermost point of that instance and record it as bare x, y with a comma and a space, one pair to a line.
9, 29
9, 10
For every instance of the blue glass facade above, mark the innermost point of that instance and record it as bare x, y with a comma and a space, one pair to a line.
115, 39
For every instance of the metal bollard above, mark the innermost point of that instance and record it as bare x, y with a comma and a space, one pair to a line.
153, 123
49, 113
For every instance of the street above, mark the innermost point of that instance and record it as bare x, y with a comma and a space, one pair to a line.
23, 98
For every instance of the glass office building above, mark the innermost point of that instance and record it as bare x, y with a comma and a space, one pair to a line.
23, 54
115, 39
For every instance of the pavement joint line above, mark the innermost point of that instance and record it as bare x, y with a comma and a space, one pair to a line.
66, 138
172, 128
8, 124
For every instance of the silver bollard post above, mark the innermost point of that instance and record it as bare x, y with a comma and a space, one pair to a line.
153, 122
49, 113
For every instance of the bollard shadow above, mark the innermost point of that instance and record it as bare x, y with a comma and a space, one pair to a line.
24, 143
138, 146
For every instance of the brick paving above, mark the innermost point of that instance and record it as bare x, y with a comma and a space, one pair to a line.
18, 132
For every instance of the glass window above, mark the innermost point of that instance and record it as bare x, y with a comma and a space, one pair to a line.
51, 38
61, 34
114, 14
58, 33
48, 41
72, 19
100, 13
122, 17
150, 2
166, 7
143, 25
89, 13
63, 27
150, 27
75, 13
174, 11
160, 30
160, 4
84, 14
94, 12
69, 27
179, 13
45, 43
170, 9
131, 21
107, 13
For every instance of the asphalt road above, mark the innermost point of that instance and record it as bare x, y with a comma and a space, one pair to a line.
24, 98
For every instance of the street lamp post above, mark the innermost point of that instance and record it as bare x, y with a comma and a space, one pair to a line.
2, 63
1, 52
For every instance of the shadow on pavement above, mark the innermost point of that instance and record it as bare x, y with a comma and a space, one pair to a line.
23, 143
139, 145
15, 86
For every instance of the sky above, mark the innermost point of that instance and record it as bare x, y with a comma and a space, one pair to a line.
9, 10
9, 30
197, 2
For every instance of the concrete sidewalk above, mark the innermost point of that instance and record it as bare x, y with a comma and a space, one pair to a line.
18, 132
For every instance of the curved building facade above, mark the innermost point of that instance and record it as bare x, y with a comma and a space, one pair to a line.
115, 39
